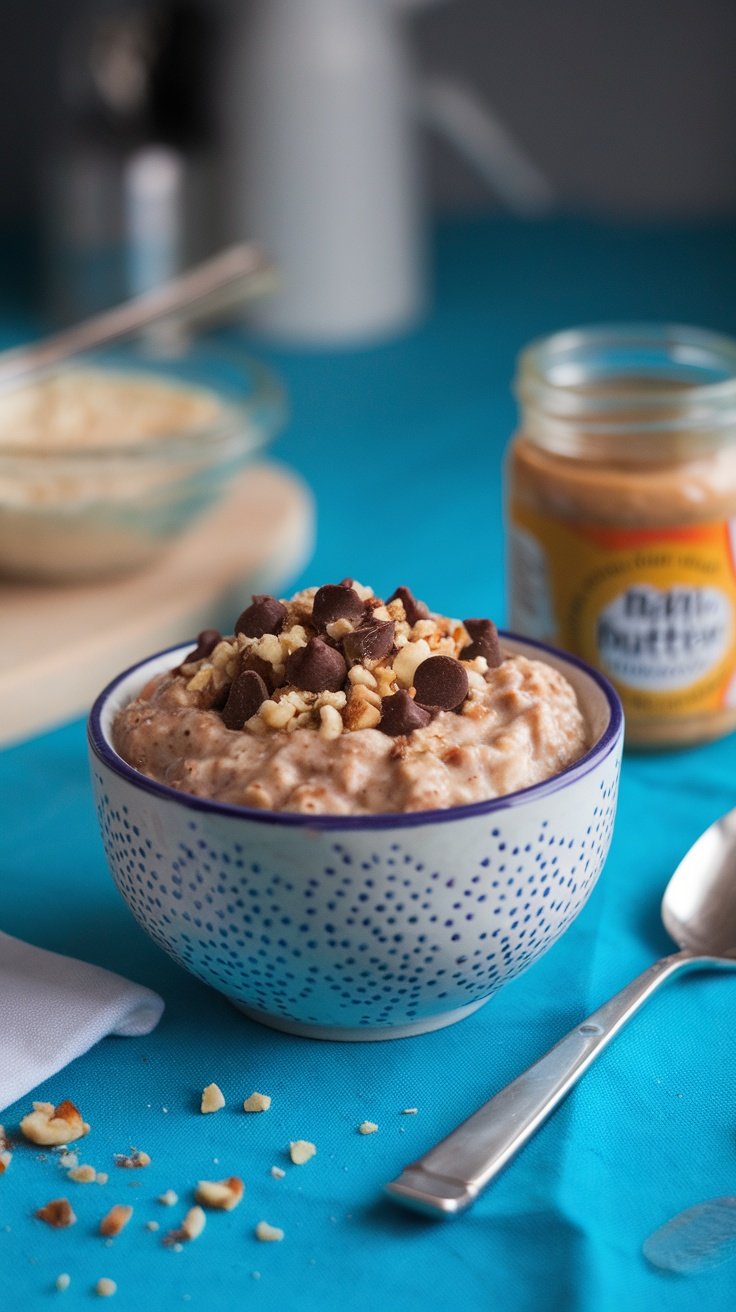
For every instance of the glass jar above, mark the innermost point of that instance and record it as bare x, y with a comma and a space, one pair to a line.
622, 518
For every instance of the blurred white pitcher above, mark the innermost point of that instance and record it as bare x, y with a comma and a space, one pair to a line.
324, 163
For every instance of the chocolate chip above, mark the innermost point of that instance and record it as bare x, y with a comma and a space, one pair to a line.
207, 640
441, 681
336, 601
371, 642
483, 642
316, 667
413, 609
266, 615
246, 695
250, 660
400, 714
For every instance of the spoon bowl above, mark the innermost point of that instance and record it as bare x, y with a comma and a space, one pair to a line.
699, 903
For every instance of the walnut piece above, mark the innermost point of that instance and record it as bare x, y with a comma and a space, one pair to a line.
221, 1195
258, 1102
133, 1160
268, 1234
50, 1126
115, 1220
191, 1228
212, 1099
58, 1213
82, 1174
301, 1151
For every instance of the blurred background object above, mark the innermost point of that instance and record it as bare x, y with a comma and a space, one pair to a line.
128, 104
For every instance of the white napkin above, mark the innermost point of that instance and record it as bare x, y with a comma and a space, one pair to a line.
53, 1008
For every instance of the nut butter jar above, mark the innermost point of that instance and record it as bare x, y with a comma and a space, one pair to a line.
621, 486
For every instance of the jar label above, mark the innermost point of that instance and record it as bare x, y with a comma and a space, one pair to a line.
654, 609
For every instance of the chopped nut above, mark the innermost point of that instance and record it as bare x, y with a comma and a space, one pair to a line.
367, 1127
410, 1111
152, 1225
331, 725
194, 1223
358, 674
169, 1198
191, 1228
276, 714
82, 1174
6, 1158
115, 1220
268, 1234
106, 1287
48, 1125
68, 1160
385, 679
222, 1195
301, 1150
212, 1099
359, 713
62, 1282
277, 1173
408, 659
101, 1177
132, 1161
338, 628
257, 1102
58, 1213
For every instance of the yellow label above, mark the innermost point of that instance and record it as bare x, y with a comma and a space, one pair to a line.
654, 609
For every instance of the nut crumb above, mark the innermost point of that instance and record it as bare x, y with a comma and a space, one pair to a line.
50, 1126
6, 1158
62, 1281
152, 1225
169, 1198
58, 1213
222, 1195
268, 1234
212, 1099
277, 1173
367, 1127
82, 1174
410, 1111
301, 1151
115, 1220
106, 1287
133, 1160
191, 1228
68, 1159
102, 1177
257, 1102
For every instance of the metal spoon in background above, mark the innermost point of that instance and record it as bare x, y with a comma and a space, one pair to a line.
204, 292
699, 913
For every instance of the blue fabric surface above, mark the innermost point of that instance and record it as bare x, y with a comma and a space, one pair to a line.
403, 446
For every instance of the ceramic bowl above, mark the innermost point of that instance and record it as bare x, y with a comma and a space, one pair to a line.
359, 927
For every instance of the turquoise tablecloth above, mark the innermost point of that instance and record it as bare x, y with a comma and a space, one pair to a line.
403, 446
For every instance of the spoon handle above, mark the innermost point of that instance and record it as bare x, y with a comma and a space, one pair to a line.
452, 1174
220, 282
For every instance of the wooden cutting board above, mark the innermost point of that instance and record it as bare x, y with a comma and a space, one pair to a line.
59, 644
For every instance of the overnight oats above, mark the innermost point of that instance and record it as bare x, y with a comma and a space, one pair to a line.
339, 703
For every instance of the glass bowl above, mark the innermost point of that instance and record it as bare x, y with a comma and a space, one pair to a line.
105, 462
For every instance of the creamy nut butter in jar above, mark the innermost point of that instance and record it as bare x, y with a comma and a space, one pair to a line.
622, 518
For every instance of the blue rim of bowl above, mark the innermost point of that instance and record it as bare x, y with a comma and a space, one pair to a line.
103, 750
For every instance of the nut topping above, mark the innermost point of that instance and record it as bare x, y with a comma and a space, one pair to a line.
49, 1126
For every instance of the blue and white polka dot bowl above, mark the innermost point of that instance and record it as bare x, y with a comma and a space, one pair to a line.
359, 927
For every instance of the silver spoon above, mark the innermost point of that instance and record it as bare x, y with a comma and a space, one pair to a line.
203, 292
699, 913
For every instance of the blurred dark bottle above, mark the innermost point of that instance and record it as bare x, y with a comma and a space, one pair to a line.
128, 182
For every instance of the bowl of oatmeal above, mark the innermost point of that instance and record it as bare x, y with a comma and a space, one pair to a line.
106, 461
356, 818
